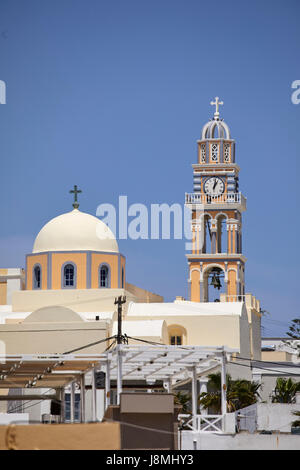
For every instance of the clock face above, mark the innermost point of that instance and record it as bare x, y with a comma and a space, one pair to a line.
214, 186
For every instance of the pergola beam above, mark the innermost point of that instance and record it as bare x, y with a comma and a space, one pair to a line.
27, 397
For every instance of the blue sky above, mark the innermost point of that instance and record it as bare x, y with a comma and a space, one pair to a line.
111, 95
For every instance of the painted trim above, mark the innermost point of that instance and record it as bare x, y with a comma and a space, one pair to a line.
26, 272
221, 213
193, 269
49, 271
213, 265
88, 270
232, 269
122, 278
76, 251
37, 265
215, 257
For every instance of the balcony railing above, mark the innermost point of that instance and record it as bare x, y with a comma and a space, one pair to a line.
201, 423
248, 299
226, 198
232, 298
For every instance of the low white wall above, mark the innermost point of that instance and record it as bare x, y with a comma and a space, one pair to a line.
268, 417
100, 398
276, 416
10, 418
242, 441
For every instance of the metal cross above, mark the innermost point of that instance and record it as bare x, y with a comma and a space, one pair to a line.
75, 191
217, 103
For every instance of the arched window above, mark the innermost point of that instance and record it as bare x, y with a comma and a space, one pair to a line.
222, 234
176, 340
104, 276
207, 234
37, 277
177, 335
69, 275
213, 283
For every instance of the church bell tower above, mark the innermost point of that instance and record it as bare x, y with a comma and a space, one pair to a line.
216, 261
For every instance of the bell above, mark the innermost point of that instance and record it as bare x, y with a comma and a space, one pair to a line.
216, 282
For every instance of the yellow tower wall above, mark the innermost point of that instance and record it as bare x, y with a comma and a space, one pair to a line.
32, 260
112, 261
59, 259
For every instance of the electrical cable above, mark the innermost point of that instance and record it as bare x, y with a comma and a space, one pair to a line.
264, 368
265, 362
161, 430
67, 352
22, 407
112, 344
89, 345
145, 341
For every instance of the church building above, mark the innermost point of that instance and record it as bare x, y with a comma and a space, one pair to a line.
65, 297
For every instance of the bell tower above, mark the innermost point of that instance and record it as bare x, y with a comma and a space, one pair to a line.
216, 261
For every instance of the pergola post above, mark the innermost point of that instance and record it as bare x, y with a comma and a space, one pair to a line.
62, 404
119, 377
168, 384
107, 384
203, 389
94, 397
82, 398
194, 396
72, 402
223, 386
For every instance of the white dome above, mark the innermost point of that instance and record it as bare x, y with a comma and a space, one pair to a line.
75, 231
215, 129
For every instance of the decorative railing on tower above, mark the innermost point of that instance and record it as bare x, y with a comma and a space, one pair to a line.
225, 198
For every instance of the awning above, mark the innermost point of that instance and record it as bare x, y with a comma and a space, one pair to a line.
44, 371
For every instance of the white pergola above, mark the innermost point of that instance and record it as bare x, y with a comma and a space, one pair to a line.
51, 372
174, 365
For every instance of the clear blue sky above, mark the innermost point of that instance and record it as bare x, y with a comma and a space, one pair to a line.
111, 95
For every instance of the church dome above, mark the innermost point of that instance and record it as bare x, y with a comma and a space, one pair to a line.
215, 129
75, 231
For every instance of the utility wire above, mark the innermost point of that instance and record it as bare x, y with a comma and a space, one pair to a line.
67, 352
265, 362
22, 407
89, 345
145, 341
160, 344
112, 344
264, 368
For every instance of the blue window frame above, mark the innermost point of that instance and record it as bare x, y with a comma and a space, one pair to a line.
122, 281
76, 407
37, 277
69, 275
104, 279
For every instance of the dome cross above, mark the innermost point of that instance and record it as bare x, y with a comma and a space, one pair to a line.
217, 103
75, 191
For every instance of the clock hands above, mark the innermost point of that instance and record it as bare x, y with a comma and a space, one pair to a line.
214, 186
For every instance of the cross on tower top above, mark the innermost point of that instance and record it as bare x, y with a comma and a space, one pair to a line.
217, 103
75, 191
